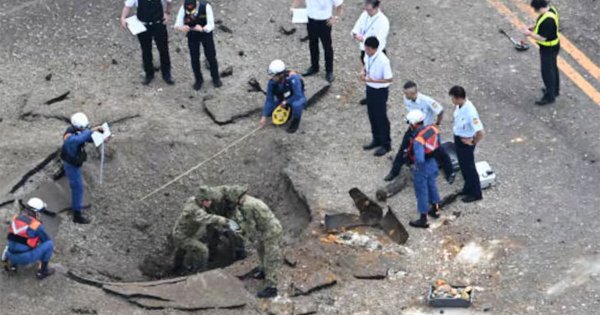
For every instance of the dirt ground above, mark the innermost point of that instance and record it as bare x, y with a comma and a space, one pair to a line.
536, 228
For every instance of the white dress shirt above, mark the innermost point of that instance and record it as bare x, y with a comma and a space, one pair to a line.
466, 120
377, 25
134, 3
210, 19
378, 67
321, 9
427, 105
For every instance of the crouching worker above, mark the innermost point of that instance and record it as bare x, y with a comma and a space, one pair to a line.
73, 155
286, 90
255, 223
422, 149
28, 242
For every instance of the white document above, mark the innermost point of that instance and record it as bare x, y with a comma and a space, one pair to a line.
100, 137
299, 16
134, 25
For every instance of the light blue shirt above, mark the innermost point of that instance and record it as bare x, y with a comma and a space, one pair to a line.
427, 105
466, 120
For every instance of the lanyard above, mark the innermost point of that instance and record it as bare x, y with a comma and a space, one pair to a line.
370, 62
365, 29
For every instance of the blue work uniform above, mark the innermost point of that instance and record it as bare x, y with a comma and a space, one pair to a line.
73, 155
290, 90
425, 172
466, 125
22, 254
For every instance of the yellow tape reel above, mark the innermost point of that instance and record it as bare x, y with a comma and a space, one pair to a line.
281, 115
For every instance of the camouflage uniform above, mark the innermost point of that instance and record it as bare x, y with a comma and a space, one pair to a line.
190, 228
257, 222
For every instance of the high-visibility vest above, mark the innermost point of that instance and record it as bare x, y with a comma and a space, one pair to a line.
18, 230
428, 138
555, 11
547, 15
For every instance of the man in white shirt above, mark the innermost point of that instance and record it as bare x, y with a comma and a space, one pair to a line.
320, 22
154, 14
372, 22
468, 132
197, 20
434, 112
377, 75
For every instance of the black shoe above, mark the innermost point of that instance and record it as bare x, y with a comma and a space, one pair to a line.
217, 83
363, 101
268, 292
198, 85
543, 102
257, 273
434, 211
382, 151
80, 219
420, 223
390, 176
168, 79
329, 77
44, 273
450, 178
147, 79
240, 253
469, 198
557, 94
370, 146
310, 71
294, 124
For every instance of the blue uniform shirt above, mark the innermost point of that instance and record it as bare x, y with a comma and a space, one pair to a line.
76, 140
466, 120
15, 247
296, 99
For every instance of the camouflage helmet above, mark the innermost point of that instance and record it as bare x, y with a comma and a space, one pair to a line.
207, 193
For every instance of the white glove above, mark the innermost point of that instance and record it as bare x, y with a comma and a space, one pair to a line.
233, 225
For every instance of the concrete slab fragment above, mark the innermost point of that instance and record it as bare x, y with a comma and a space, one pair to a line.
306, 283
370, 265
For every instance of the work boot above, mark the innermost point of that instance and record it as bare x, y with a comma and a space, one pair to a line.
268, 292
168, 79
294, 124
363, 101
8, 267
450, 178
80, 219
420, 223
434, 211
390, 176
44, 273
543, 102
147, 79
217, 83
370, 146
556, 94
329, 77
310, 71
197, 85
382, 151
469, 198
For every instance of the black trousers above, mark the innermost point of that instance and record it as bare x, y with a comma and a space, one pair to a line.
207, 41
377, 110
319, 30
466, 160
442, 158
158, 32
550, 73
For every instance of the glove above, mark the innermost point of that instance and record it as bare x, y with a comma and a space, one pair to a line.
233, 225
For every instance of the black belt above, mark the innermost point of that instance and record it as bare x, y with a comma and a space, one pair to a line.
152, 23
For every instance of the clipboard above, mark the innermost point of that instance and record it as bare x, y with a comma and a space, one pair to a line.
299, 16
134, 25
100, 137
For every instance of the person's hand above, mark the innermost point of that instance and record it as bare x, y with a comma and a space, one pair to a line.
166, 17
368, 79
263, 122
99, 129
185, 28
467, 141
362, 76
332, 20
198, 28
358, 38
123, 23
526, 31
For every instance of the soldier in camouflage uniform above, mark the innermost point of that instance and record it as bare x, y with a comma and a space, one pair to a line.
257, 224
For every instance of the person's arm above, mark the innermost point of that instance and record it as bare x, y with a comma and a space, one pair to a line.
210, 19
478, 136
388, 77
356, 29
82, 137
200, 215
440, 117
41, 233
296, 3
167, 12
269, 105
298, 94
382, 33
179, 21
547, 31
126, 12
337, 12
438, 110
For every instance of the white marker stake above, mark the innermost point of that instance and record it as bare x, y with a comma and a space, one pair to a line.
101, 162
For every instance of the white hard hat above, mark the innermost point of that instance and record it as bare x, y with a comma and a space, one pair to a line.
415, 116
276, 67
80, 120
36, 204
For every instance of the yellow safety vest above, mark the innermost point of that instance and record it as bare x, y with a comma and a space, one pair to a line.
555, 11
541, 20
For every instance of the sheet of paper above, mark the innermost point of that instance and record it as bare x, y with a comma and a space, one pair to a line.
100, 137
134, 25
299, 16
